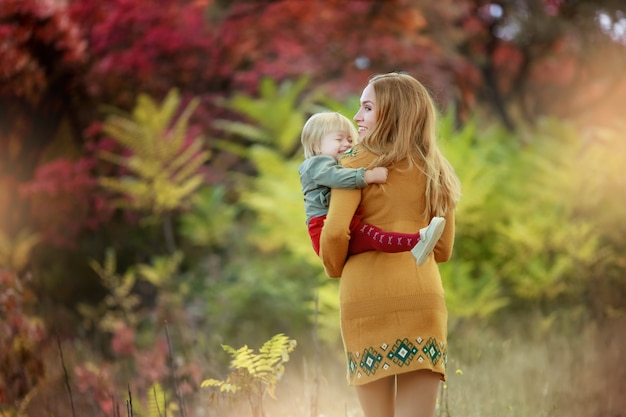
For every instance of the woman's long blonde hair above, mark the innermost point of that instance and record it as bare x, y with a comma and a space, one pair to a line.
406, 128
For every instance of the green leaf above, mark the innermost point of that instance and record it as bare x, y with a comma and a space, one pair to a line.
163, 171
255, 374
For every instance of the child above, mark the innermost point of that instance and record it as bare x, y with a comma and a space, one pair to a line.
326, 137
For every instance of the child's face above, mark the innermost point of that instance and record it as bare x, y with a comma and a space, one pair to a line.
334, 144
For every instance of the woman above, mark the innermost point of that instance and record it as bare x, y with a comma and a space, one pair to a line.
326, 136
393, 313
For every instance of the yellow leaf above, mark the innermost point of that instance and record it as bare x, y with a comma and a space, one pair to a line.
210, 383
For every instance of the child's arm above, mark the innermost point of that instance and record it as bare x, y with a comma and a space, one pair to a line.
376, 175
325, 171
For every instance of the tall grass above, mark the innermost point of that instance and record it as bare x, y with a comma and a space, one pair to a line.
538, 372
525, 368
521, 367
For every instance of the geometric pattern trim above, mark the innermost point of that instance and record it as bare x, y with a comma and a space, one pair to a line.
400, 353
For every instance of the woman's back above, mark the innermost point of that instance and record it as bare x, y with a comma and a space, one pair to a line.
388, 302
397, 206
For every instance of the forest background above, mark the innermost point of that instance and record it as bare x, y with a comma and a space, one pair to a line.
150, 208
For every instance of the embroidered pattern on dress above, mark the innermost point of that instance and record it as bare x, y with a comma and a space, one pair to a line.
399, 354
371, 360
403, 352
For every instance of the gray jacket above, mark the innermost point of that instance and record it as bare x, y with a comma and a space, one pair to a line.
318, 175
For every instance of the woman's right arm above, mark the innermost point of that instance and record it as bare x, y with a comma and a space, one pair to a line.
335, 236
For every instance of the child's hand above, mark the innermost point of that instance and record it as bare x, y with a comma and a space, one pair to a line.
376, 175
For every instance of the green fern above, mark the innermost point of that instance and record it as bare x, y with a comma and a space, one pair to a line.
161, 270
210, 219
158, 404
155, 402
255, 374
163, 167
278, 128
119, 304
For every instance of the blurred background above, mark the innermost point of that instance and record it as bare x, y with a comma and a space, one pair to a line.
150, 206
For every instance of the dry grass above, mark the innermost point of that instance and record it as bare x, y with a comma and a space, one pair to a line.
527, 373
547, 374
522, 372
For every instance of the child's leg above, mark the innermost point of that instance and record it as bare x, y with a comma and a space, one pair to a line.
315, 231
365, 237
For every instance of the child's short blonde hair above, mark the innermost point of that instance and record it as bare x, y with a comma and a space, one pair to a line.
321, 124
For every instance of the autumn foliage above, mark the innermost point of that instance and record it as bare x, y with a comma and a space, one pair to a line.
126, 125
65, 201
22, 334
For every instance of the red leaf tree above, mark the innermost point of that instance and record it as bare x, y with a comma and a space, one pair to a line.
62, 61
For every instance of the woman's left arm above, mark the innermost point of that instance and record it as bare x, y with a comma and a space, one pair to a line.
335, 236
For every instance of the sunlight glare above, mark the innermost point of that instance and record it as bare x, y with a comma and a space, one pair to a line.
614, 28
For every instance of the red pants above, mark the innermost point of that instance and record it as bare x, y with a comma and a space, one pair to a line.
365, 237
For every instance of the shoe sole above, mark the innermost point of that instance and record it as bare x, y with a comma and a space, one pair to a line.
421, 253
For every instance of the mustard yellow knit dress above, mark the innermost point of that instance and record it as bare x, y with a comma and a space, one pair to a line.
393, 313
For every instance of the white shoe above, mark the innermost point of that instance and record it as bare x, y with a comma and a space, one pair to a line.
428, 239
